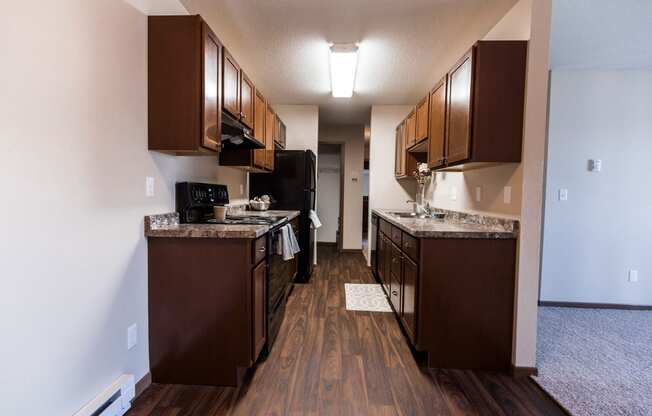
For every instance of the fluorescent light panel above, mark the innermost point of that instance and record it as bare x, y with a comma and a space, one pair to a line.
344, 61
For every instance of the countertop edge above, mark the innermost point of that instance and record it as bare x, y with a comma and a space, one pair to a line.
167, 226
470, 234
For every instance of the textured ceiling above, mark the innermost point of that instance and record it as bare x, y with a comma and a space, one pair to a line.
603, 34
283, 46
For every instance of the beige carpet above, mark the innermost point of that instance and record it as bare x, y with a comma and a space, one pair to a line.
596, 361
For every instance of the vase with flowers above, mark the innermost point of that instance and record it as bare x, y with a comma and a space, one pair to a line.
421, 174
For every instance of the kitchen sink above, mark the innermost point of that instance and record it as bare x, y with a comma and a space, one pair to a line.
403, 214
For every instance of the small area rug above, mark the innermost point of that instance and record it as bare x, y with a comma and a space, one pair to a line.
365, 297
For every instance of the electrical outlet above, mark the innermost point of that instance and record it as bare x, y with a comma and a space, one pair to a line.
478, 193
633, 276
150, 184
563, 194
132, 336
507, 195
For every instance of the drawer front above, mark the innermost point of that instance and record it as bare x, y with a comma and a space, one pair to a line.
396, 235
410, 246
259, 249
385, 227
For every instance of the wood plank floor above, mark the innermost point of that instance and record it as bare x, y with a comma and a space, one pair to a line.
330, 361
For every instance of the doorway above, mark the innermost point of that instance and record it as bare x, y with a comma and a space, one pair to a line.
330, 200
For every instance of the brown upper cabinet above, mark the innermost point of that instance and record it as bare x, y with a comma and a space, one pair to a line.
260, 109
485, 105
231, 89
279, 132
184, 86
399, 170
422, 120
410, 129
246, 101
437, 129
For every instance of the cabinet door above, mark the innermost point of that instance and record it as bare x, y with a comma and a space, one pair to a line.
396, 284
259, 309
460, 81
282, 130
211, 115
410, 275
410, 138
277, 129
260, 110
270, 121
422, 119
231, 88
387, 261
246, 101
437, 134
397, 155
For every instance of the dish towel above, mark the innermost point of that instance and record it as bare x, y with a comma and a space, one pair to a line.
288, 244
315, 219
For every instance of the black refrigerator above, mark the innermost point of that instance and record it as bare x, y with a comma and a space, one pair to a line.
292, 186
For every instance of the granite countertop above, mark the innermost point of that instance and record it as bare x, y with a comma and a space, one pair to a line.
454, 225
167, 225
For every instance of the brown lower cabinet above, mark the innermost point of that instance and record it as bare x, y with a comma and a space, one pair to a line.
454, 298
207, 309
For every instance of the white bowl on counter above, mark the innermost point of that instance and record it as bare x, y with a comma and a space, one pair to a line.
259, 205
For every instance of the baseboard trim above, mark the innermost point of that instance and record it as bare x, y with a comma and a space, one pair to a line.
351, 250
588, 305
519, 372
143, 383
326, 243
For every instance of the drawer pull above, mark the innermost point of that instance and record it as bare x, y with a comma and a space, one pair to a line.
394, 293
262, 249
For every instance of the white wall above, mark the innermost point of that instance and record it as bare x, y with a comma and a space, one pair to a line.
604, 228
328, 197
353, 139
385, 192
302, 126
73, 127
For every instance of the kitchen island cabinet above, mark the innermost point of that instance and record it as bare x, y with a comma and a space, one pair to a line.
451, 285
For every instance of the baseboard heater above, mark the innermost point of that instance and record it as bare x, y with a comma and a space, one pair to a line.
114, 401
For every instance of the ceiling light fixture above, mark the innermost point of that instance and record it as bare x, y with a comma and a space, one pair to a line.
343, 61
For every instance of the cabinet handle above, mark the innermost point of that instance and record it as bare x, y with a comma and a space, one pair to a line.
394, 293
262, 249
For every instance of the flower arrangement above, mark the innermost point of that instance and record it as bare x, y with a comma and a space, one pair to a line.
421, 173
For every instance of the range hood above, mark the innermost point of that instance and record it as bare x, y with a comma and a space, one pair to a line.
237, 135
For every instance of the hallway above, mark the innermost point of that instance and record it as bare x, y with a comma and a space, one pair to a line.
330, 361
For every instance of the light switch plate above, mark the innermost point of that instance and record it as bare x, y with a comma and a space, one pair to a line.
563, 194
507, 195
150, 184
633, 276
595, 165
